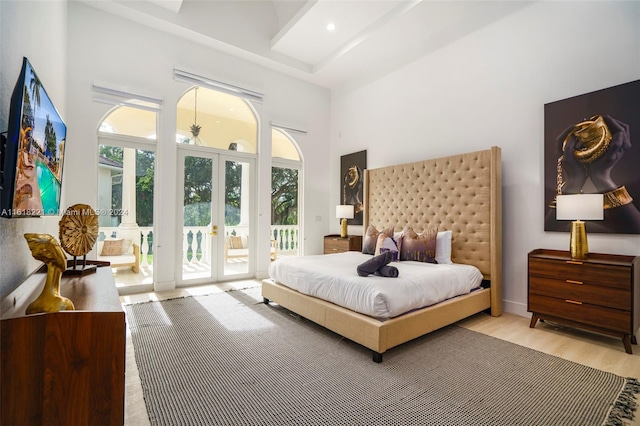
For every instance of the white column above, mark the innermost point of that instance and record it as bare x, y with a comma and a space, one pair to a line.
128, 228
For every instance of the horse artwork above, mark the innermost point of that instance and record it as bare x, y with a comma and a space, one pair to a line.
352, 168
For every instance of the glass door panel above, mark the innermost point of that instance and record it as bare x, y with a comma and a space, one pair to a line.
238, 241
125, 210
285, 231
216, 238
199, 228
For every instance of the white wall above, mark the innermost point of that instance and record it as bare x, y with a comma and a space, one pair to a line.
108, 49
489, 88
39, 32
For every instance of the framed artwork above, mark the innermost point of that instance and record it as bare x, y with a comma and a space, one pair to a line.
352, 168
592, 145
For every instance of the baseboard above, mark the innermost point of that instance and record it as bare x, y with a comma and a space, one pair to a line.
164, 286
516, 308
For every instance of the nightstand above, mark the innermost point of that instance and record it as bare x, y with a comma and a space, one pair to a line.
337, 244
600, 293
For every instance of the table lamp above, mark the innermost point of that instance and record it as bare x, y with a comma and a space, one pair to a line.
578, 207
344, 212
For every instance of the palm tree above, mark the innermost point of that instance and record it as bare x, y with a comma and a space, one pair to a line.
50, 138
35, 85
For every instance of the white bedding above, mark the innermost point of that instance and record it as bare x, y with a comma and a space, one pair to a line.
333, 277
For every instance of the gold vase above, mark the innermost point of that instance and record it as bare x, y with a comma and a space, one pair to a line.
578, 244
343, 228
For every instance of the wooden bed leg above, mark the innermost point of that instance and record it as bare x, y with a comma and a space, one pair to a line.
265, 300
377, 357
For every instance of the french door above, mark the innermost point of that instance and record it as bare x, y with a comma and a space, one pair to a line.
215, 219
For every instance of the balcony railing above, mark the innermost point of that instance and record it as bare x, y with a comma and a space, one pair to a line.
195, 244
287, 238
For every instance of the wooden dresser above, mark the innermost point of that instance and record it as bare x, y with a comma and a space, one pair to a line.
600, 293
64, 368
337, 244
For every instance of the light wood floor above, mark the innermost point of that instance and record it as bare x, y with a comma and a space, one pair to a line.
590, 349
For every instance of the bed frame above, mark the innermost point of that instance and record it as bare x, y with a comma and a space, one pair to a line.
461, 193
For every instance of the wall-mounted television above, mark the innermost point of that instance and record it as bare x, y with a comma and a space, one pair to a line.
33, 151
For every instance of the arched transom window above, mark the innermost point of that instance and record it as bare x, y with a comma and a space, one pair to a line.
130, 121
214, 119
282, 147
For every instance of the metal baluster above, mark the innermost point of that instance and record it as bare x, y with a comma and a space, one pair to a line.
199, 245
149, 246
189, 248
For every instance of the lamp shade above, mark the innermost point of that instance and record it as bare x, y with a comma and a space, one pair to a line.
580, 207
344, 212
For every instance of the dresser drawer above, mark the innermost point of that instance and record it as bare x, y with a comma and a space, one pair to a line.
597, 316
610, 297
335, 245
586, 273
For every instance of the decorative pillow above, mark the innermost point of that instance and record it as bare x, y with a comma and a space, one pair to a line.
111, 248
397, 237
371, 239
386, 243
236, 242
126, 247
443, 248
419, 247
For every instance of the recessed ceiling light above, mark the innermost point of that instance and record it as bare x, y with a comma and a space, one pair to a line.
331, 26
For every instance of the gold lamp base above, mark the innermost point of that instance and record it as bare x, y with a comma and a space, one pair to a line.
343, 228
578, 244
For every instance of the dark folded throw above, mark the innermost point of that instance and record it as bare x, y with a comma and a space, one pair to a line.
372, 265
388, 271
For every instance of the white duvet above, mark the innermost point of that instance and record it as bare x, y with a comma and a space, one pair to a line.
333, 277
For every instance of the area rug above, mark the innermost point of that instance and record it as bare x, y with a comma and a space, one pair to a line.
228, 359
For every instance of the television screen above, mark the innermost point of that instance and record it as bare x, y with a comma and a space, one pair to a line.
34, 151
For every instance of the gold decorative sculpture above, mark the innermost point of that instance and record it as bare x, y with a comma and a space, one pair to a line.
78, 233
78, 229
594, 137
44, 247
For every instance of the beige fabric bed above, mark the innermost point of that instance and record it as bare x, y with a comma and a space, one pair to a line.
461, 193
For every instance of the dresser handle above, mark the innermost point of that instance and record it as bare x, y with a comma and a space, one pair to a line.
574, 282
575, 302
574, 262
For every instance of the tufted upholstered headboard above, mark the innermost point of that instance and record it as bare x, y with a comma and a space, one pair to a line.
461, 193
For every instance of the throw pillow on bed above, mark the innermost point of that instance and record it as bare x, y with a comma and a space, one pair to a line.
443, 247
371, 239
386, 243
419, 247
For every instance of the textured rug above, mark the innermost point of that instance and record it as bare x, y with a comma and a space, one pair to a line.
228, 359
